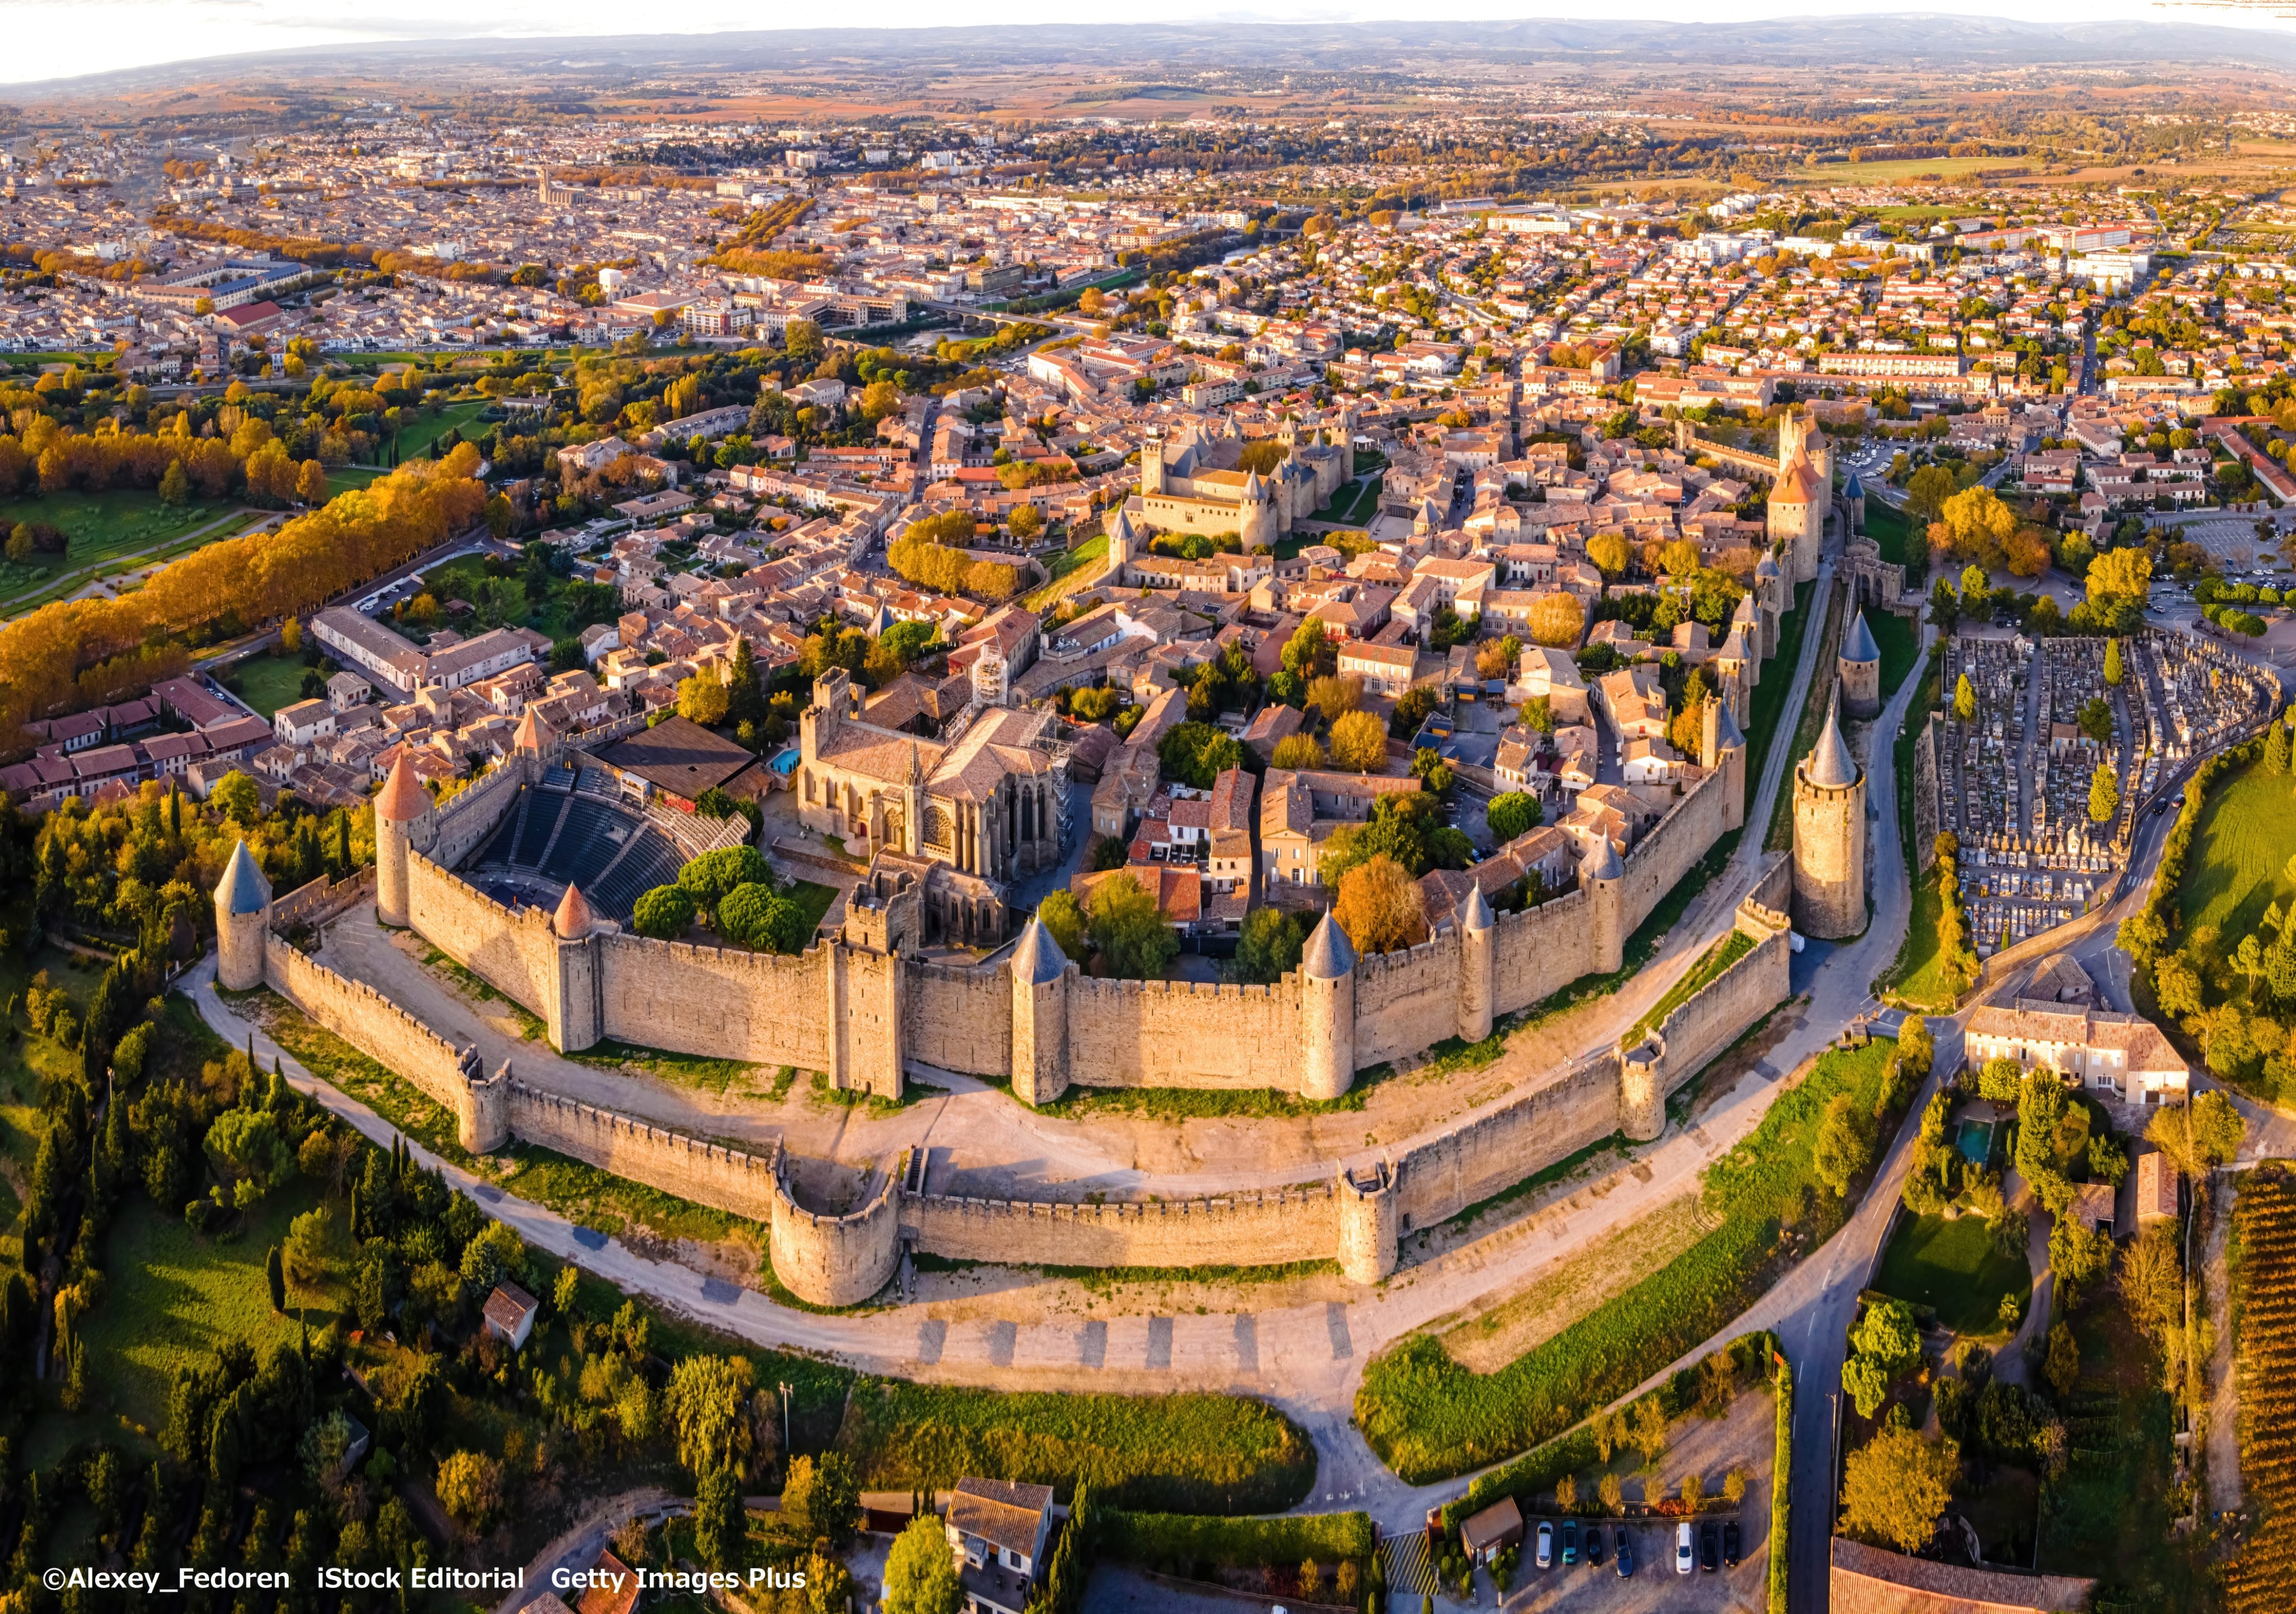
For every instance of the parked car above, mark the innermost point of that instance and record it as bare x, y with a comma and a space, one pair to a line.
1626, 1554
1730, 1544
1710, 1548
1594, 1546
1546, 1544
1570, 1542
1685, 1549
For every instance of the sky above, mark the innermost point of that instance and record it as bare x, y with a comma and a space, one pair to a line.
65, 38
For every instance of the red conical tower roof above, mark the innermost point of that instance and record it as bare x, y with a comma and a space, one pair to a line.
574, 919
403, 800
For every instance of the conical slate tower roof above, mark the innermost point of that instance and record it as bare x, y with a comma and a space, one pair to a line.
1725, 728
1830, 767
1859, 645
1853, 488
1603, 864
242, 889
1330, 954
403, 800
1475, 911
1038, 959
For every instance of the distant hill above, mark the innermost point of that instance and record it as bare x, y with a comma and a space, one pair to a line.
1899, 40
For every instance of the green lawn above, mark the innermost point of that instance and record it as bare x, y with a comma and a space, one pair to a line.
813, 899
1354, 504
268, 682
1718, 958
414, 440
98, 527
1900, 639
1915, 975
1954, 1267
1067, 571
2242, 848
1892, 533
174, 1296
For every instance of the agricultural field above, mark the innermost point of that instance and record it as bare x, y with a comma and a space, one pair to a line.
2115, 1507
2242, 848
1953, 1267
1428, 1417
2264, 1332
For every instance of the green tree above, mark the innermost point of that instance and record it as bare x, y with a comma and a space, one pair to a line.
663, 913
753, 914
1895, 1488
236, 796
1845, 1144
1063, 917
704, 698
1127, 929
1270, 945
1512, 813
1195, 754
2104, 795
175, 485
708, 1406
919, 1573
1359, 743
470, 1489
709, 877
721, 1524
1927, 491
2197, 1135
2275, 748
822, 1498
1965, 700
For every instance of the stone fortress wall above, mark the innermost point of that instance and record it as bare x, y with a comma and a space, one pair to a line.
859, 1015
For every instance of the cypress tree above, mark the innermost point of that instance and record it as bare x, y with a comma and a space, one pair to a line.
2275, 749
275, 1274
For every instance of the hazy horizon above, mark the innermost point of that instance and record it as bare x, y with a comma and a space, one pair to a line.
53, 38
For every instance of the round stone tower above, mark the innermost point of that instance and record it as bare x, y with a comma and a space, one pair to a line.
1861, 670
1478, 959
400, 808
243, 899
1328, 1012
1829, 838
1642, 1089
1604, 877
1367, 1223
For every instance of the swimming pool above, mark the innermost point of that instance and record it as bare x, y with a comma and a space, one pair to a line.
1975, 1141
785, 761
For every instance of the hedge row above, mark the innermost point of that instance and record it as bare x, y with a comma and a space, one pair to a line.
1193, 1539
1182, 1454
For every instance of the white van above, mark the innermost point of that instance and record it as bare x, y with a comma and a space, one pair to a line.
1686, 1550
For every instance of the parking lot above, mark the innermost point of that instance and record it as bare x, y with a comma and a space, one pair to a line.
1654, 1584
